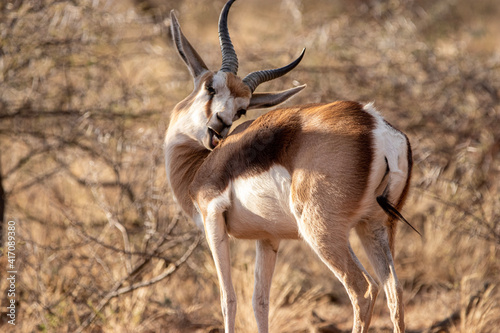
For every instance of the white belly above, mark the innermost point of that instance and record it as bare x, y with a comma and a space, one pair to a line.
260, 206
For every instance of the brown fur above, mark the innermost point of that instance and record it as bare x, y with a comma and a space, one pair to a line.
290, 137
185, 104
187, 161
237, 88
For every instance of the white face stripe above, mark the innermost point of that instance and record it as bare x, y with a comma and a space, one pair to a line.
192, 123
224, 103
219, 83
188, 125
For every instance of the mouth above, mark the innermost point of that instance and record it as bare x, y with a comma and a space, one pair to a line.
214, 138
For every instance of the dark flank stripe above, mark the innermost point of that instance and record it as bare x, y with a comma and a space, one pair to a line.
335, 138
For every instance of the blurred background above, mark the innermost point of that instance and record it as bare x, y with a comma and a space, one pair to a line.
86, 90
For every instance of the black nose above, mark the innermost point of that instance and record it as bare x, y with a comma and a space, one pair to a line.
218, 125
222, 120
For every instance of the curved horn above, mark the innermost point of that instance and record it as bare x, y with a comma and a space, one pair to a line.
252, 80
229, 58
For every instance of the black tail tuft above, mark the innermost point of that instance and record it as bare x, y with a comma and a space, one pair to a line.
393, 212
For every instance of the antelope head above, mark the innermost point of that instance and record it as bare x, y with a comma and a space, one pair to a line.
219, 98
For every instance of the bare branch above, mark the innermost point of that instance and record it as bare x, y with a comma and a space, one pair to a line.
117, 291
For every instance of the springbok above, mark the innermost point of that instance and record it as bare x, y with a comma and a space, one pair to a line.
310, 171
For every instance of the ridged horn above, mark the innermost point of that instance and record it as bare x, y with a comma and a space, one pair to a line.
229, 58
252, 80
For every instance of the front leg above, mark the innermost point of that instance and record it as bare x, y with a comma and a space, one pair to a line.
218, 241
266, 253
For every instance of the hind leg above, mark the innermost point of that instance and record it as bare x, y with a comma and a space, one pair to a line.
332, 246
375, 239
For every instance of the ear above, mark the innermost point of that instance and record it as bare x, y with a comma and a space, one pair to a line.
193, 61
267, 100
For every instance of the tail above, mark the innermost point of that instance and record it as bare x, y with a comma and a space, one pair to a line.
390, 210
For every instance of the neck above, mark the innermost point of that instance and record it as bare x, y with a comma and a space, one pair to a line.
184, 156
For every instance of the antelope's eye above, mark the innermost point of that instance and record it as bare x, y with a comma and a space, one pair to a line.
210, 90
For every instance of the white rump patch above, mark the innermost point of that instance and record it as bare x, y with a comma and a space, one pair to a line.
389, 144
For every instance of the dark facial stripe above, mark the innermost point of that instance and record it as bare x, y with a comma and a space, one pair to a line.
186, 103
208, 108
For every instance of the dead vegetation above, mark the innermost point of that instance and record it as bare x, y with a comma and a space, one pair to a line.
85, 94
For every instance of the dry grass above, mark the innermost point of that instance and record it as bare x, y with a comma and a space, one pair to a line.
85, 94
